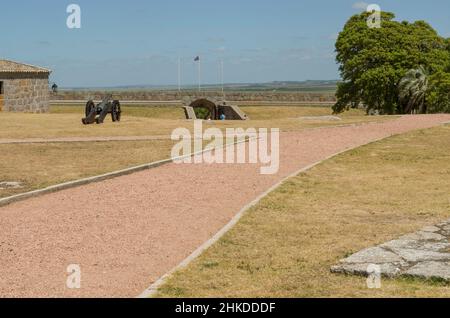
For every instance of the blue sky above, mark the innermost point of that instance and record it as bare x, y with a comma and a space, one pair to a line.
137, 42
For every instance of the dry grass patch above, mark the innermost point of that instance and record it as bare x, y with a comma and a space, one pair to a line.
159, 112
285, 246
17, 125
41, 165
279, 112
65, 121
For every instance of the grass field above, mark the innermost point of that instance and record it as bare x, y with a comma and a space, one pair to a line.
285, 246
65, 121
17, 126
294, 112
158, 112
41, 165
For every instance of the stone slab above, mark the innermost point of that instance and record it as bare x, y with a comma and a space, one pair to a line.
423, 254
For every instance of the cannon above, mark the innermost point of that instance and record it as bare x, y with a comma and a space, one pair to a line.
107, 106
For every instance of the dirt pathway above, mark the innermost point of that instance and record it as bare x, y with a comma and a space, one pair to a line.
127, 232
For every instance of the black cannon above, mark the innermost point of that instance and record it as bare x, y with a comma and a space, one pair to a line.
101, 110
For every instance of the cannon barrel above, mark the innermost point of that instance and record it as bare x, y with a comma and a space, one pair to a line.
107, 106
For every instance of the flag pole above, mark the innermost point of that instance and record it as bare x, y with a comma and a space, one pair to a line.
179, 74
221, 78
199, 75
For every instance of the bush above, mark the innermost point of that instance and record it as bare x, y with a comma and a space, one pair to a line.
438, 98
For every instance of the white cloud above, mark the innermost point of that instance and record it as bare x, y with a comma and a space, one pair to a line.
360, 5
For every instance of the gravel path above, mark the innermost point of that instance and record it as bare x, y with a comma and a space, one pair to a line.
127, 232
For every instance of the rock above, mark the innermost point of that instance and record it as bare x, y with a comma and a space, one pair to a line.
415, 255
400, 243
388, 269
10, 185
416, 245
430, 229
373, 255
428, 270
424, 254
424, 236
446, 229
436, 247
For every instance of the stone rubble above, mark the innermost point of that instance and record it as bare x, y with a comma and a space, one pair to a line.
10, 185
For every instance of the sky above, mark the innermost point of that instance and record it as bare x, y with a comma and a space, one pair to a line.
138, 42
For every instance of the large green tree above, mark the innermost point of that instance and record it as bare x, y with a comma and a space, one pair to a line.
374, 60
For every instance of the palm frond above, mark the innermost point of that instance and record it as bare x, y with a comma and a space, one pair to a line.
412, 89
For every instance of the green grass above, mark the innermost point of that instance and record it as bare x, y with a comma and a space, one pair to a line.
285, 246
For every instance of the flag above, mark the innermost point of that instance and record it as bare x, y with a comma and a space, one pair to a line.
197, 59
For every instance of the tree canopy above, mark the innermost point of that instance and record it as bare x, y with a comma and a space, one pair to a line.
438, 97
373, 61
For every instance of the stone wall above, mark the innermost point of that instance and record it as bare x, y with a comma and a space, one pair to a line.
24, 94
191, 95
232, 112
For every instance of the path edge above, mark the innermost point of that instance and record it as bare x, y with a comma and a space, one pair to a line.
110, 175
80, 182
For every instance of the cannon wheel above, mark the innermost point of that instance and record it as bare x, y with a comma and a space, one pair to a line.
89, 107
116, 111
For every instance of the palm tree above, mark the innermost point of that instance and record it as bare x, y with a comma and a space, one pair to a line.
413, 89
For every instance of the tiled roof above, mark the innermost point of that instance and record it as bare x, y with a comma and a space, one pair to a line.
7, 66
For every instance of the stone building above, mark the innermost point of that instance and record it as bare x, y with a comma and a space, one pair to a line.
23, 87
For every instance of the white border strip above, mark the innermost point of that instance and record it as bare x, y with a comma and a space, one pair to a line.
153, 289
76, 183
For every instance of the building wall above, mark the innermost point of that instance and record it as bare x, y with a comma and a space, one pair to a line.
26, 94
